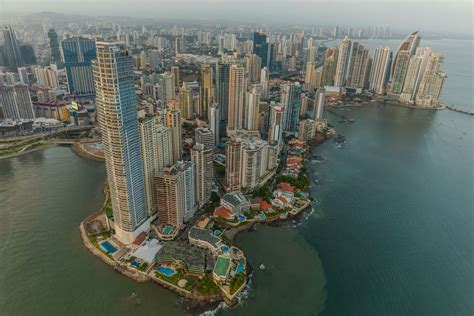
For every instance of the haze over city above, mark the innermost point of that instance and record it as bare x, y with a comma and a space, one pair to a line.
424, 15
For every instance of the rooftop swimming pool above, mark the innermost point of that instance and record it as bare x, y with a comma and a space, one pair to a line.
166, 271
241, 217
216, 232
240, 268
167, 230
136, 264
107, 247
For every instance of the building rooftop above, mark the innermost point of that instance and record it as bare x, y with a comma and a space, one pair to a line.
205, 235
234, 198
178, 251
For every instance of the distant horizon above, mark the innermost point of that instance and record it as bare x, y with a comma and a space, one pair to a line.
439, 17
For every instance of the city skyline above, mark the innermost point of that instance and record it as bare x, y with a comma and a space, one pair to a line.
423, 15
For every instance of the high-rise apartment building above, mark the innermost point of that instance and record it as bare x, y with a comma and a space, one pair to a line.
11, 49
204, 169
264, 83
253, 67
329, 67
379, 73
78, 53
290, 99
358, 71
54, 45
214, 122
204, 136
236, 98
401, 60
415, 72
432, 81
232, 167
116, 106
260, 47
276, 126
173, 121
167, 86
16, 102
206, 90
343, 61
186, 102
251, 113
222, 91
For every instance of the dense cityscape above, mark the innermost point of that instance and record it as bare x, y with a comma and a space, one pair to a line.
204, 129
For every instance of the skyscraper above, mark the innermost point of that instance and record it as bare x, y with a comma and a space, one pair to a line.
78, 54
214, 122
343, 62
204, 136
236, 98
203, 165
276, 126
232, 167
205, 85
358, 67
54, 45
11, 49
251, 114
173, 121
432, 82
175, 72
167, 91
115, 99
260, 47
329, 67
264, 83
253, 67
222, 91
401, 60
149, 159
291, 101
380, 69
186, 102
16, 102
415, 72
170, 185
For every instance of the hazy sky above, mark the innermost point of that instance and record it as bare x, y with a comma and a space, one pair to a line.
448, 15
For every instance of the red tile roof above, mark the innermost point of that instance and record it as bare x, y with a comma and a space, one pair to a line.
223, 212
140, 238
284, 186
264, 205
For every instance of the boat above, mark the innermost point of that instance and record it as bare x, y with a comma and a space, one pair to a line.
262, 267
340, 139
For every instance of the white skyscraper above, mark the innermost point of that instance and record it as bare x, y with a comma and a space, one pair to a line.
343, 62
264, 83
214, 120
380, 69
251, 114
204, 170
236, 98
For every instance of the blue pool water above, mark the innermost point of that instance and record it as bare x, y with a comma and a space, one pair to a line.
241, 217
216, 232
240, 268
167, 230
136, 264
225, 249
167, 271
107, 247
261, 216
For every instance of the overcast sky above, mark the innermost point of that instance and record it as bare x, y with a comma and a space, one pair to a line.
426, 15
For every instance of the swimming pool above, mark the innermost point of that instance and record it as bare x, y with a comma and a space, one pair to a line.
225, 249
167, 230
166, 271
216, 232
107, 247
240, 268
136, 264
261, 216
241, 217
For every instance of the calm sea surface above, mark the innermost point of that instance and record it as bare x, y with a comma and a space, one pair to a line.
391, 233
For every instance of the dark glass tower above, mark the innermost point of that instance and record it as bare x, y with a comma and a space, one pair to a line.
222, 91
78, 55
54, 45
11, 49
260, 47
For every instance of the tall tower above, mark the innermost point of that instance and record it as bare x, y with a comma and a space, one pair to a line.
78, 55
214, 121
343, 62
319, 100
276, 126
251, 114
206, 95
175, 72
379, 72
16, 102
11, 49
222, 91
236, 98
173, 121
253, 66
169, 185
232, 167
401, 60
264, 83
202, 158
260, 47
329, 67
186, 102
115, 99
415, 72
167, 87
432, 81
54, 45
358, 66
291, 101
